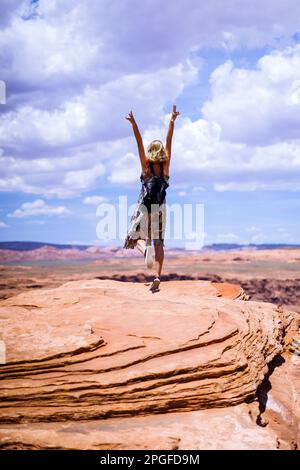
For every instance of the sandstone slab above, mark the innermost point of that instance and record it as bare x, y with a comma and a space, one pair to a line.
106, 355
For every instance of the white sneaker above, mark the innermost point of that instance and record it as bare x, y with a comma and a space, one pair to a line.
148, 257
155, 284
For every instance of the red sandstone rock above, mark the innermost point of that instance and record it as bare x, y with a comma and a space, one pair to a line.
115, 359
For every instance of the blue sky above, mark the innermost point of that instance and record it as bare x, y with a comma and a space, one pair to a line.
74, 69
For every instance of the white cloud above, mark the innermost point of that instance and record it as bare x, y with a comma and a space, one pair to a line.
67, 41
43, 127
39, 207
94, 200
261, 105
79, 133
72, 78
97, 113
193, 145
254, 186
3, 225
126, 169
44, 48
82, 179
200, 154
53, 177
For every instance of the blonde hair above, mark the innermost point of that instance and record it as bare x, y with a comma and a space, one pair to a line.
156, 152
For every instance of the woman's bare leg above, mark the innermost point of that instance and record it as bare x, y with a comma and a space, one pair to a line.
159, 257
141, 246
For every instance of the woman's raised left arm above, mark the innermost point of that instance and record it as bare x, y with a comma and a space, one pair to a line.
170, 135
139, 140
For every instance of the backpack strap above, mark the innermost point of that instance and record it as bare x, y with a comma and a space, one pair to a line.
151, 168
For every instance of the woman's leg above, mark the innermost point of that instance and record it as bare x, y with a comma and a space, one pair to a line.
159, 256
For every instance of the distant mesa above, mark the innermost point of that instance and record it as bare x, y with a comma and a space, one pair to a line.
31, 245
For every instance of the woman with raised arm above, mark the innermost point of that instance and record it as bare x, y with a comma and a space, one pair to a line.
150, 211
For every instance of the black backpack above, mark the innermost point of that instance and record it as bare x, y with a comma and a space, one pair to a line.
155, 187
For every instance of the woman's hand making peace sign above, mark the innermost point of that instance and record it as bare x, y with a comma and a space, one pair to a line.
174, 113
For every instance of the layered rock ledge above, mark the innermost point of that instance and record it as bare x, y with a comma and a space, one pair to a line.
101, 351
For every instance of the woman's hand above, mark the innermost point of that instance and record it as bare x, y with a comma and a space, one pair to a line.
174, 113
130, 118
